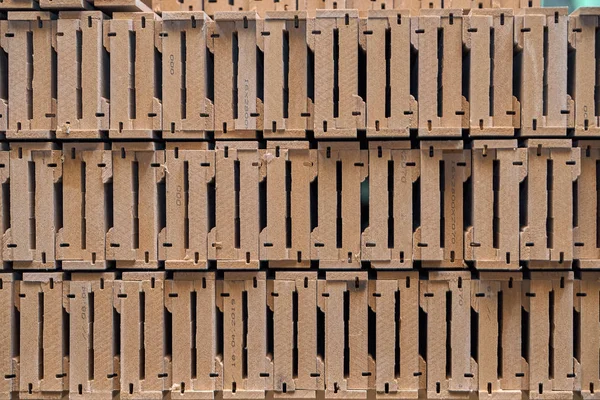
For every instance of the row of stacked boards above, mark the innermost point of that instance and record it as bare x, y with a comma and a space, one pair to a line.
434, 73
289, 335
495, 206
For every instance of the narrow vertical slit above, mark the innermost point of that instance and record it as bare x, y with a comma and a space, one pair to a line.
91, 321
388, 72
83, 205
338, 186
236, 191
135, 183
295, 334
186, 201
245, 334
597, 73
79, 61
346, 333
142, 366
500, 316
235, 59
288, 204
442, 179
183, 43
32, 207
41, 335
194, 323
336, 71
496, 207
546, 62
397, 324
132, 60
551, 336
597, 203
492, 52
29, 75
286, 72
391, 204
448, 334
549, 188
440, 73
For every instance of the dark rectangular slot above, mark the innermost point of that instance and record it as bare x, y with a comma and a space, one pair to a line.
549, 188
551, 337
32, 202
448, 334
546, 61
336, 72
286, 72
440, 72
236, 191
500, 317
186, 202
194, 322
596, 74
390, 182
388, 73
492, 52
524, 334
496, 207
346, 333
397, 334
41, 335
245, 335
6, 205
142, 366
30, 68
295, 334
83, 216
442, 193
132, 57
320, 333
135, 188
338, 188
597, 203
288, 204
91, 320
183, 43
235, 59
79, 61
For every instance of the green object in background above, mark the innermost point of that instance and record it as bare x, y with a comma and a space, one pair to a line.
572, 4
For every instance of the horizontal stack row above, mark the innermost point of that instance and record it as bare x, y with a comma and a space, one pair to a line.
488, 73
300, 335
88, 206
211, 7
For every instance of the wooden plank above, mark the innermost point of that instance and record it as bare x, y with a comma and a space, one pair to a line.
29, 240
82, 99
189, 181
187, 111
190, 297
342, 167
132, 240
81, 241
388, 240
93, 360
391, 109
291, 169
31, 99
445, 166
135, 110
542, 36
234, 241
498, 169
145, 369
548, 235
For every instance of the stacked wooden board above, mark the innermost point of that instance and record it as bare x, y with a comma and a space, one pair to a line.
321, 199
